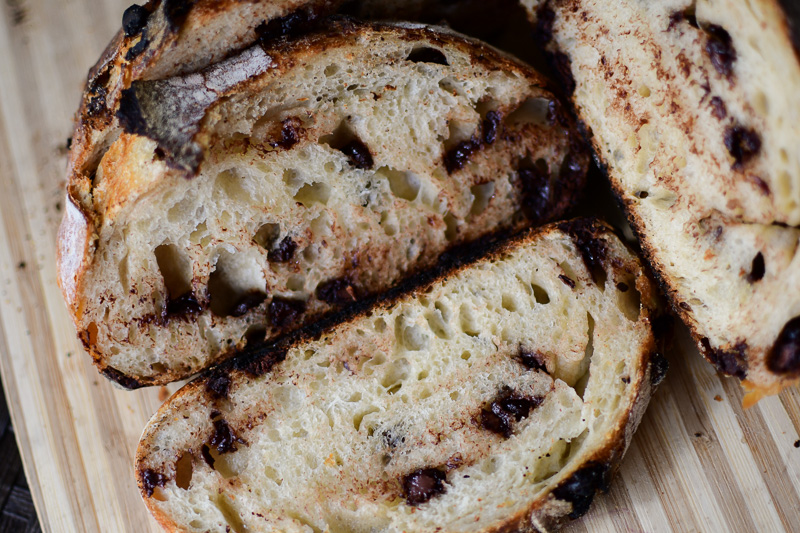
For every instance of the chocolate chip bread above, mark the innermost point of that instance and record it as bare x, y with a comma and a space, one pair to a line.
498, 397
300, 175
694, 109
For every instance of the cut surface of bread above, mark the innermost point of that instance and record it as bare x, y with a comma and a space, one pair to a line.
498, 397
298, 176
694, 108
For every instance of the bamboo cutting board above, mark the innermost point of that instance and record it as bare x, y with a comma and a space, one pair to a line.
698, 462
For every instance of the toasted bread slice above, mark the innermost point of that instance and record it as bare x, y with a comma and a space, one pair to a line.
497, 397
298, 176
694, 109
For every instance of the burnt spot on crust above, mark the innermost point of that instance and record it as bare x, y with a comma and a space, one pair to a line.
137, 49
532, 360
121, 379
728, 361
742, 143
249, 300
563, 68
98, 92
784, 357
718, 109
507, 408
358, 154
336, 291
151, 479
183, 306
490, 126
283, 252
543, 31
257, 363
223, 439
176, 11
580, 487
218, 385
134, 19
423, 484
719, 48
758, 269
427, 54
658, 368
289, 26
592, 249
566, 280
456, 158
284, 312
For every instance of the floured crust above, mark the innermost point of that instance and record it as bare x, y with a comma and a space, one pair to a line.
693, 109
568, 494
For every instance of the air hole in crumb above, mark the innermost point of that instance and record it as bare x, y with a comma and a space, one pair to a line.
427, 54
176, 269
509, 303
468, 322
631, 302
267, 235
437, 323
272, 474
454, 395
236, 285
312, 193
540, 294
331, 70
642, 195
359, 417
451, 223
459, 131
404, 185
414, 338
345, 140
183, 471
158, 368
532, 111
482, 194
91, 330
230, 514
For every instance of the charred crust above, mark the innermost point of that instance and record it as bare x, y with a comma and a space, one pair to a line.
784, 357
218, 385
256, 363
284, 312
730, 361
291, 131
150, 480
757, 269
543, 31
658, 368
121, 379
137, 49
580, 487
423, 484
585, 234
719, 48
289, 26
563, 69
134, 19
176, 11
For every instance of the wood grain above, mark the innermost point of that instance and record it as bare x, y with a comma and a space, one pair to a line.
698, 462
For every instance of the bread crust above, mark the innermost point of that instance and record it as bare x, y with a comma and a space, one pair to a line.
571, 496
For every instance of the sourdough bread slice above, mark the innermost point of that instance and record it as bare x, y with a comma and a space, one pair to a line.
695, 111
296, 177
497, 397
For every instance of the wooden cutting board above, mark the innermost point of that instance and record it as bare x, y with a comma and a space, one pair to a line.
698, 462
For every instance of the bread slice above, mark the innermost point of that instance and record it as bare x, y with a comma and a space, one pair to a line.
497, 397
296, 177
695, 111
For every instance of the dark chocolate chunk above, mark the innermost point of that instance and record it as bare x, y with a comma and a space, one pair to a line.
509, 407
567, 281
742, 143
536, 192
456, 158
358, 154
579, 489
758, 269
152, 479
290, 133
423, 484
223, 438
489, 128
283, 252
658, 368
718, 111
784, 357
289, 26
183, 306
205, 451
249, 300
284, 312
259, 363
219, 384
720, 49
532, 360
136, 50
592, 249
134, 19
336, 291
427, 54
728, 361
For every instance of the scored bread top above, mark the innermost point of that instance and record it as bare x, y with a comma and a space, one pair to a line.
298, 176
694, 108
496, 397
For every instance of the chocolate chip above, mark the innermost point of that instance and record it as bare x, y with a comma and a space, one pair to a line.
427, 54
290, 133
456, 158
218, 385
758, 269
183, 306
720, 48
136, 50
658, 368
284, 252
784, 357
580, 487
509, 407
289, 26
358, 154
284, 312
423, 484
567, 281
536, 193
730, 361
533, 360
718, 111
223, 438
134, 19
152, 479
490, 126
246, 302
336, 291
742, 143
